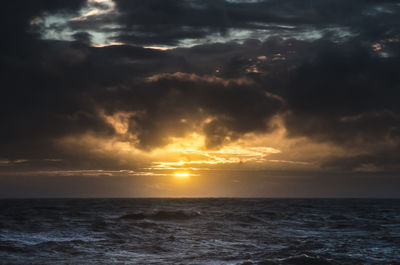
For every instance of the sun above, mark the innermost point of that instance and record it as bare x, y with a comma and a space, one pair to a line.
181, 175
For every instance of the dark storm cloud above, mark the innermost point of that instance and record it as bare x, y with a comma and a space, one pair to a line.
345, 93
65, 85
169, 98
15, 18
170, 21
337, 90
26, 93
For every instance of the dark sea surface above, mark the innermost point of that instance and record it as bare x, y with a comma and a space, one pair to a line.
200, 231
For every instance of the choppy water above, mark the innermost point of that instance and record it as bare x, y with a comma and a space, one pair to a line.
199, 231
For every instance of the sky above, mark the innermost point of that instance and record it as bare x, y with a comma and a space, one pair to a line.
200, 98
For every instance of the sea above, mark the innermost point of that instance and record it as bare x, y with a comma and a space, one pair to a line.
200, 231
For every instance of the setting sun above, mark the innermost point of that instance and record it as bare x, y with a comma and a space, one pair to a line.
181, 175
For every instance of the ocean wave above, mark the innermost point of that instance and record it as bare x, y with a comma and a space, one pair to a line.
305, 260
